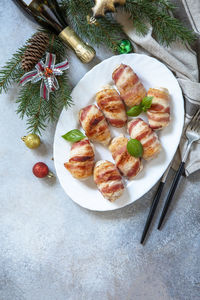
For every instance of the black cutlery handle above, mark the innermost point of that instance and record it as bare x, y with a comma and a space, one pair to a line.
152, 210
171, 193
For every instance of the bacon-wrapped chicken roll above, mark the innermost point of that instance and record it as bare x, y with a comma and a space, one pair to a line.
128, 84
112, 106
159, 112
81, 162
94, 124
128, 165
140, 130
108, 180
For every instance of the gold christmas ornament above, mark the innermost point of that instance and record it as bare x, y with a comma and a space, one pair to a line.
102, 6
32, 140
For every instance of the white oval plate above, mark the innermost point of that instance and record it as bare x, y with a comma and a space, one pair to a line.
152, 73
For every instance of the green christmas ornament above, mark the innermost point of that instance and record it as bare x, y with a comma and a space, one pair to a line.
125, 47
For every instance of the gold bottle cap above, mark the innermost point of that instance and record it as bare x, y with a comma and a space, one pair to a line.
84, 52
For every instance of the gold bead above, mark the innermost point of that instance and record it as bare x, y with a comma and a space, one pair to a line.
32, 140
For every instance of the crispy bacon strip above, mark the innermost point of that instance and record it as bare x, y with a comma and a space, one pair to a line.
159, 112
81, 162
108, 180
94, 124
112, 106
128, 84
140, 130
128, 165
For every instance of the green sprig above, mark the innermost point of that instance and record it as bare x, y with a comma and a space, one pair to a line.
37, 110
166, 28
107, 31
143, 106
12, 70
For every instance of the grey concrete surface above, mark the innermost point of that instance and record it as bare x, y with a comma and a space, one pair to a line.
52, 249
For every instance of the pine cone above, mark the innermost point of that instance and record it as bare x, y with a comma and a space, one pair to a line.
35, 51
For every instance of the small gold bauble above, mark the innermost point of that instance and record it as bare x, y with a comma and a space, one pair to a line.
32, 140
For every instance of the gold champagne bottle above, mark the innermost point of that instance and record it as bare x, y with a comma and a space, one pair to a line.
49, 15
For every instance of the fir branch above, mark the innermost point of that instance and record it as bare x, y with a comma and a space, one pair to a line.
56, 46
40, 112
11, 69
25, 98
18, 74
166, 28
107, 31
52, 109
33, 107
63, 94
165, 5
37, 120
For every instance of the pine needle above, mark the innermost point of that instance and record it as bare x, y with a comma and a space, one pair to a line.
166, 28
11, 69
107, 32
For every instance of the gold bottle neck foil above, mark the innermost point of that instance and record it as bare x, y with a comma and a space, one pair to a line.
84, 52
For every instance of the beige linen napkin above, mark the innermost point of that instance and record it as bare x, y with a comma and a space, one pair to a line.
182, 60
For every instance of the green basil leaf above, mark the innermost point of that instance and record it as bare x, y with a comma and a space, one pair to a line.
134, 111
135, 148
74, 135
146, 102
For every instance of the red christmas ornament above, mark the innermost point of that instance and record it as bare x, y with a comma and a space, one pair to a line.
41, 170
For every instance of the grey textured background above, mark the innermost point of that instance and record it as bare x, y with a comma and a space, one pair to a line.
52, 249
